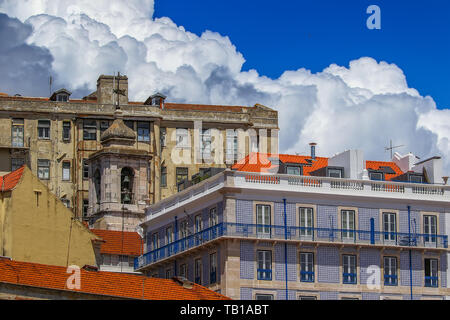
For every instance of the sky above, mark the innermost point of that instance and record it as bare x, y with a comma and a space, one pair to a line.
331, 79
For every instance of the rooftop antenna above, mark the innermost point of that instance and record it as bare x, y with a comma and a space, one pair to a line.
50, 82
390, 148
118, 91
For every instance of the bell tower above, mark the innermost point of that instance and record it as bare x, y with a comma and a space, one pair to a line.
118, 180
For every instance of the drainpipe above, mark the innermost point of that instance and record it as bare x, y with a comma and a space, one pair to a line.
176, 246
409, 243
285, 249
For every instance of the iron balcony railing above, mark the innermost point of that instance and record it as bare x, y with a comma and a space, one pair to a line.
431, 281
292, 233
264, 274
390, 279
307, 276
349, 278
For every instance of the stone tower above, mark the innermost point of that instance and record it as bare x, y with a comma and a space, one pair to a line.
118, 180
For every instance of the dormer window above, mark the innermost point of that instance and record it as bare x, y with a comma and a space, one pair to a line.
61, 95
334, 173
156, 100
416, 178
376, 176
294, 170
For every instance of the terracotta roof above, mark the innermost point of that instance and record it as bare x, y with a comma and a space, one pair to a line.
202, 107
10, 180
261, 162
132, 242
103, 283
378, 165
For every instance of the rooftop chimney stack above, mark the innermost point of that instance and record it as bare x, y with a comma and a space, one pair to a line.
313, 150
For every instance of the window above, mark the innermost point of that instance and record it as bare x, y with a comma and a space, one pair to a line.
306, 267
205, 144
126, 185
168, 273
66, 171
89, 130
43, 169
44, 129
198, 223
106, 259
155, 241
307, 298
181, 174
104, 125
213, 218
97, 185
62, 97
16, 163
183, 270
389, 226
232, 145
115, 260
169, 235
183, 140
416, 179
334, 173
129, 124
376, 176
260, 296
349, 269
264, 264
183, 229
348, 224
162, 137
85, 169
390, 271
66, 202
294, 170
263, 220
163, 177
17, 131
430, 229
306, 220
198, 271
85, 207
143, 131
66, 131
349, 298
431, 272
212, 268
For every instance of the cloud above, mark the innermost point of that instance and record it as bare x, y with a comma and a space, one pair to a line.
362, 105
23, 66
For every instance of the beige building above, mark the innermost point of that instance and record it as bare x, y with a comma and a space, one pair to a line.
55, 137
36, 227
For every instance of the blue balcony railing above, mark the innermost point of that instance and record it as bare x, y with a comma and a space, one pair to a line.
307, 276
349, 278
264, 274
292, 233
390, 280
431, 281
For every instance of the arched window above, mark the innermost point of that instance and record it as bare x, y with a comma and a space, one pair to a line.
126, 185
97, 184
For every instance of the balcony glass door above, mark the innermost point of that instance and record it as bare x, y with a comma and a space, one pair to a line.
306, 222
430, 230
389, 226
263, 220
348, 224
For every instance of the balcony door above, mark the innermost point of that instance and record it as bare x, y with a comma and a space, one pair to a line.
306, 220
263, 220
430, 230
389, 226
348, 225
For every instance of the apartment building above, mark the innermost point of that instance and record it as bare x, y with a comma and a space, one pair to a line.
55, 137
306, 227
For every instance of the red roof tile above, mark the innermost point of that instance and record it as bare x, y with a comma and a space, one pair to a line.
103, 283
10, 180
259, 162
132, 242
376, 165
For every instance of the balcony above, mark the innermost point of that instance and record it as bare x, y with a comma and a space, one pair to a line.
291, 233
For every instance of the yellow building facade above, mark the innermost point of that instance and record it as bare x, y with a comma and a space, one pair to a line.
35, 226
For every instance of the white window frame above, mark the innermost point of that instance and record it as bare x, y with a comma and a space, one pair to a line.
389, 226
348, 224
306, 220
182, 138
263, 220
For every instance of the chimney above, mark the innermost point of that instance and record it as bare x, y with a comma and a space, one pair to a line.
313, 150
106, 86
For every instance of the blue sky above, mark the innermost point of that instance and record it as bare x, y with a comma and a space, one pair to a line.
287, 35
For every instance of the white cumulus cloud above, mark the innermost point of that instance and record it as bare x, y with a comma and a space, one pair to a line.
362, 105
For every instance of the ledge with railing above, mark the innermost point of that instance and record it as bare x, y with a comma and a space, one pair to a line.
309, 234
